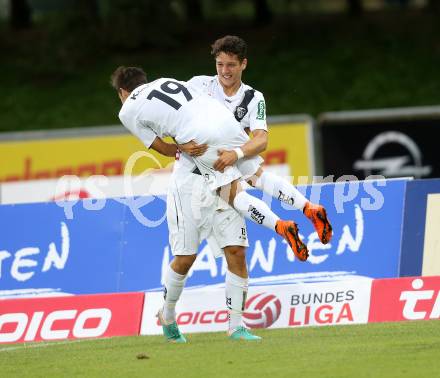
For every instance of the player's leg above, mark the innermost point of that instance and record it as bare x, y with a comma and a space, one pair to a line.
286, 192
174, 282
184, 241
258, 212
278, 187
236, 286
229, 234
252, 208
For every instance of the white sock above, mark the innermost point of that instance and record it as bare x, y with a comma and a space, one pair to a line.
281, 189
236, 292
255, 210
174, 283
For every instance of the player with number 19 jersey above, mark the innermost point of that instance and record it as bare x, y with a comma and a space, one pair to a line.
167, 107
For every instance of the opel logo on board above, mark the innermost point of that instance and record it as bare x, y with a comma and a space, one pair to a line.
406, 165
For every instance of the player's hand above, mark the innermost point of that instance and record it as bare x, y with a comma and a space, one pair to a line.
193, 149
225, 159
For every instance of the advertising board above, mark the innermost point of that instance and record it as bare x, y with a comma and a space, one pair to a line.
75, 317
121, 244
276, 306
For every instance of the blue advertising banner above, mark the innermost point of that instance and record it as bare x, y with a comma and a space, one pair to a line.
414, 223
121, 245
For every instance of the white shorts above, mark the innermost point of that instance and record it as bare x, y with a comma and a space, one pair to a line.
190, 210
194, 214
243, 169
228, 229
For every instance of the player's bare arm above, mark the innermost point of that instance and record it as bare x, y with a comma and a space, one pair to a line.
170, 149
253, 147
164, 148
192, 148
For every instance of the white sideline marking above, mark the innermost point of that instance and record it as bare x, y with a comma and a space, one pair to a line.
52, 343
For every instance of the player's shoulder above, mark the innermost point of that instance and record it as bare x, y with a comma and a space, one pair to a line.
162, 80
257, 94
201, 80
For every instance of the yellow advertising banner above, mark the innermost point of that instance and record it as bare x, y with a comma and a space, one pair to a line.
292, 144
107, 155
51, 158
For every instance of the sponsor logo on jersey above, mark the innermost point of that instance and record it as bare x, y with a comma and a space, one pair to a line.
261, 113
283, 197
256, 215
135, 94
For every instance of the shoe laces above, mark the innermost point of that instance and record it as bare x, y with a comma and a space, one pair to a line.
174, 330
241, 329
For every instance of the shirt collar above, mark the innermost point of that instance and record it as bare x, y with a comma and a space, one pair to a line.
238, 94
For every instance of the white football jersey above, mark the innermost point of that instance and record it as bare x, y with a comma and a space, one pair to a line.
168, 107
254, 119
252, 116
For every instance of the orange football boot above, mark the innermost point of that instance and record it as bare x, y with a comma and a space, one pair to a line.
289, 231
318, 216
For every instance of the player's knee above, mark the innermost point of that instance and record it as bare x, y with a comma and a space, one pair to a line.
235, 255
182, 263
235, 251
236, 259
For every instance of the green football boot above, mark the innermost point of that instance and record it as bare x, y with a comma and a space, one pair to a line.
171, 331
242, 333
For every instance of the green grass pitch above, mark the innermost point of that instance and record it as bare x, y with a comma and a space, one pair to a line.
406, 349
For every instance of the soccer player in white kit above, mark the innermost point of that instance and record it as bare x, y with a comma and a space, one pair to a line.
167, 107
248, 107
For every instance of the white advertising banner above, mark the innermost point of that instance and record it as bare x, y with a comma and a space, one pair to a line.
278, 306
152, 182
73, 187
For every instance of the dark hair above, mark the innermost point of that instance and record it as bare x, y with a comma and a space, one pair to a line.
128, 78
230, 44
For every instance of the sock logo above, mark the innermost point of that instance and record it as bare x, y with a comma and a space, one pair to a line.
243, 304
283, 197
229, 303
256, 215
164, 292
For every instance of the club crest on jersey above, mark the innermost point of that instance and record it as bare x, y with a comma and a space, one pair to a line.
241, 112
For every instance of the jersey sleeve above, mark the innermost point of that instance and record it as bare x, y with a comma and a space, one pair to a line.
145, 134
257, 113
199, 82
